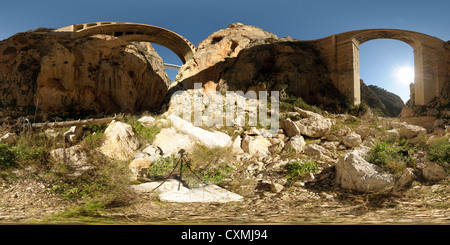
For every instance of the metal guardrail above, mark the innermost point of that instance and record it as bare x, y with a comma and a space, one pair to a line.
172, 67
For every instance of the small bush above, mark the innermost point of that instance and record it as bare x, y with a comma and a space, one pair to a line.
161, 168
296, 170
390, 156
90, 208
7, 156
439, 151
289, 102
147, 133
93, 140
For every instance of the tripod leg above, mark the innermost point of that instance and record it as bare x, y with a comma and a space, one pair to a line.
171, 172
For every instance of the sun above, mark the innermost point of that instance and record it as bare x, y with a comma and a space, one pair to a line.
405, 75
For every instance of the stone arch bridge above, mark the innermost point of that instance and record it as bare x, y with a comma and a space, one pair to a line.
133, 32
340, 53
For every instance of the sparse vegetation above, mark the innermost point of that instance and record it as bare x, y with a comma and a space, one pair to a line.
439, 151
289, 102
296, 170
393, 157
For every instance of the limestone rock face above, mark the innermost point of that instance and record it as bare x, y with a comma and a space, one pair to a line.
244, 58
99, 73
214, 50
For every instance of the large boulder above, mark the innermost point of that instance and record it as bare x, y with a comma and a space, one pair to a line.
204, 194
120, 141
352, 140
171, 141
409, 131
289, 127
174, 191
76, 158
433, 171
296, 143
355, 173
256, 145
202, 136
314, 125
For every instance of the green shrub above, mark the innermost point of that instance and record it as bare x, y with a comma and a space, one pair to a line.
391, 156
217, 175
439, 151
90, 208
7, 156
147, 133
161, 168
289, 102
296, 169
93, 140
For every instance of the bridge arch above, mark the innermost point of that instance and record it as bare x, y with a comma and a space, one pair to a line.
133, 32
340, 54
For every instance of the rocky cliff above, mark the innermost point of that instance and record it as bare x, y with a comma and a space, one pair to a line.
243, 57
380, 99
99, 73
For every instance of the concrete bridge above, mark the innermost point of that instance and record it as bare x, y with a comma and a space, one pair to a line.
340, 53
133, 32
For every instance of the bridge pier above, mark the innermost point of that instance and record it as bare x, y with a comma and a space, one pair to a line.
340, 54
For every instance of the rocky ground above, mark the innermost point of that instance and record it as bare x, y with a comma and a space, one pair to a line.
29, 202
319, 197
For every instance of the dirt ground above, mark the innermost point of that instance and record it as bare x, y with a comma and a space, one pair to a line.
30, 202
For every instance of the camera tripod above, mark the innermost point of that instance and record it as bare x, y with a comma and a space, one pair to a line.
182, 162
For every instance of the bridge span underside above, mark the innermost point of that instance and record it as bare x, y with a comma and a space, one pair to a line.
134, 32
340, 54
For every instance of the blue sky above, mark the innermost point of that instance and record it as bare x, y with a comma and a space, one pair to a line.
304, 20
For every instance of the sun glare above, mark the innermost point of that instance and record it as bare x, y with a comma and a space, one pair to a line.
405, 75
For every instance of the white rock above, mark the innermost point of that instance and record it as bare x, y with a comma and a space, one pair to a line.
315, 126
392, 134
160, 186
315, 150
205, 194
74, 157
296, 143
9, 138
409, 131
74, 134
120, 141
405, 179
256, 145
276, 188
236, 146
171, 142
355, 173
352, 140
363, 131
147, 120
289, 128
204, 137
